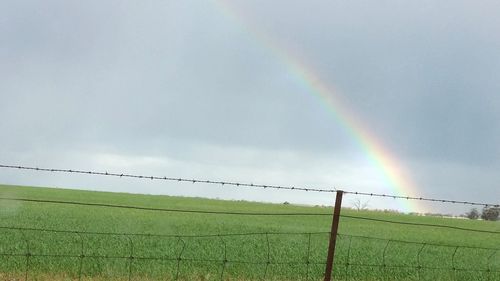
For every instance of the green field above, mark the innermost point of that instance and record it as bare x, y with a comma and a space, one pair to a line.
107, 243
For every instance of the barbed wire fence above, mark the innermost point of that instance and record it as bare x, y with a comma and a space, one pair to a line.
296, 256
242, 184
129, 255
86, 251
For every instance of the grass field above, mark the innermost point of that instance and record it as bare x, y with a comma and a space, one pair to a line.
190, 246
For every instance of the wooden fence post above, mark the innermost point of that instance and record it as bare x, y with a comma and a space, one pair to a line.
333, 236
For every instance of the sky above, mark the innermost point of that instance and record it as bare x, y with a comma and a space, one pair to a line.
395, 97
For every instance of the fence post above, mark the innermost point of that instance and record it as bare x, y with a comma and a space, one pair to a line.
333, 236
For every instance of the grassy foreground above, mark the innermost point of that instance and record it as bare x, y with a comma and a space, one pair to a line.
199, 246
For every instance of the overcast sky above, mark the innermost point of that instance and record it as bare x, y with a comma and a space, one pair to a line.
189, 89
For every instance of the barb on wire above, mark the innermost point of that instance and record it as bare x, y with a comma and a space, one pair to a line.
242, 184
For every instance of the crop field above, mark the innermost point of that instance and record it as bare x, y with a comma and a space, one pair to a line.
54, 241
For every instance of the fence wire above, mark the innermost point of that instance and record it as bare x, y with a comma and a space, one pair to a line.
29, 252
142, 208
130, 256
273, 214
393, 259
243, 184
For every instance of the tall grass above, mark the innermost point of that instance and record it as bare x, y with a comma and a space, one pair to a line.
265, 255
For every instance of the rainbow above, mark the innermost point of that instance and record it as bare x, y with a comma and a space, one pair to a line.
391, 171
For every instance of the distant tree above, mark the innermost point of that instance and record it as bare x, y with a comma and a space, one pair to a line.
490, 213
359, 205
473, 214
286, 203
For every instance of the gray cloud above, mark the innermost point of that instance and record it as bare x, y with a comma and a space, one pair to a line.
183, 83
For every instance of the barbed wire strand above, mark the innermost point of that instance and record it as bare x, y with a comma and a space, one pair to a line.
126, 175
130, 257
241, 184
423, 199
